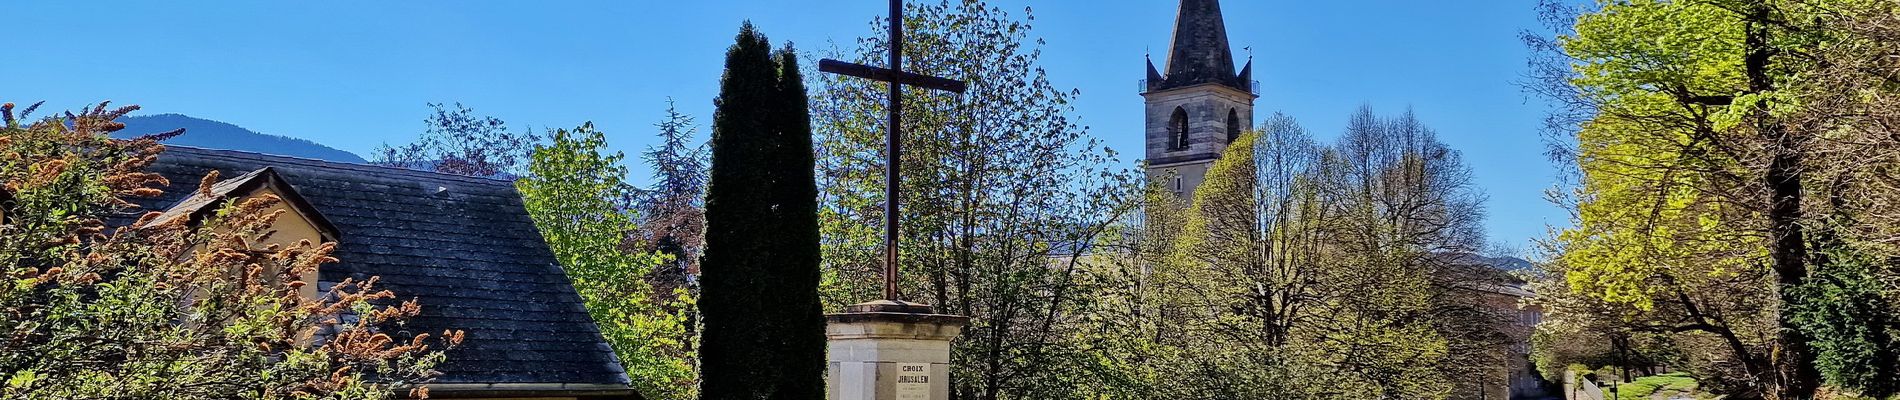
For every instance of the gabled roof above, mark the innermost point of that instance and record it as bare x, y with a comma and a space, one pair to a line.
464, 247
1199, 53
1468, 271
201, 204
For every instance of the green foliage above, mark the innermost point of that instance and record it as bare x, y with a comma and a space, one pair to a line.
1289, 276
159, 309
572, 192
1712, 137
1846, 307
1642, 388
1555, 349
1680, 117
1639, 208
764, 332
1001, 186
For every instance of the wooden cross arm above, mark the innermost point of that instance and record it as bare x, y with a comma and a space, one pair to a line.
887, 75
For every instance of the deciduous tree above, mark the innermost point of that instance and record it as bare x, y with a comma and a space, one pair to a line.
163, 310
999, 183
1720, 144
573, 191
1302, 270
461, 143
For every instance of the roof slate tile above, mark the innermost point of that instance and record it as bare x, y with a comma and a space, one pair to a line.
464, 247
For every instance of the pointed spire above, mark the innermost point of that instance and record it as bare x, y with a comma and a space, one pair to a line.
1246, 72
1245, 80
1154, 77
1199, 52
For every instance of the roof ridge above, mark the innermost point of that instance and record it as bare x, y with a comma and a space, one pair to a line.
339, 164
472, 246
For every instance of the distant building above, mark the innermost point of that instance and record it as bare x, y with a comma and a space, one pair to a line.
1202, 104
464, 247
1502, 298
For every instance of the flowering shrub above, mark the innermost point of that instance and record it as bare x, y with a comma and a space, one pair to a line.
166, 310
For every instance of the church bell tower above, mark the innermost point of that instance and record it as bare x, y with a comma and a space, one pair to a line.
1200, 105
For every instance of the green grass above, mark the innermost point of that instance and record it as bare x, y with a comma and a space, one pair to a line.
1643, 387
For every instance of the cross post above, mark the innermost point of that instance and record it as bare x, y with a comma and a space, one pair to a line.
893, 144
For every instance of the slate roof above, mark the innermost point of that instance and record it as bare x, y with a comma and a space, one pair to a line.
1199, 53
200, 205
1487, 274
465, 247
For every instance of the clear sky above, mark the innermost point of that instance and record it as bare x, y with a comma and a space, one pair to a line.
355, 74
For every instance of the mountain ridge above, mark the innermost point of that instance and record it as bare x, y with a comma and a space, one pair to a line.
213, 134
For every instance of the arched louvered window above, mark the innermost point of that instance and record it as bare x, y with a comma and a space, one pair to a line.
1233, 125
1178, 129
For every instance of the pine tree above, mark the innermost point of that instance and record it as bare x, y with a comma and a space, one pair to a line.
673, 216
763, 335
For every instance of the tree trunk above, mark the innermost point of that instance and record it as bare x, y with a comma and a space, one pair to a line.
1796, 377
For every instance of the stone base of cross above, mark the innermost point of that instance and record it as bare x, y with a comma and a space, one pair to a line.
891, 349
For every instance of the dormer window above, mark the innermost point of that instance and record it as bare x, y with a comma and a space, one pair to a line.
298, 222
1178, 130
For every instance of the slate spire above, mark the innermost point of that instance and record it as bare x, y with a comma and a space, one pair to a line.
1199, 52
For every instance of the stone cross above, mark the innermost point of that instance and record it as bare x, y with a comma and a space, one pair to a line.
893, 146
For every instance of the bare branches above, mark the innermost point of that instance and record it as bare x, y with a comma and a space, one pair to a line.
1325, 269
459, 142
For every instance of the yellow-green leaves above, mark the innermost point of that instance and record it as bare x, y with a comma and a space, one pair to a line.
571, 193
1657, 47
1300, 269
1661, 172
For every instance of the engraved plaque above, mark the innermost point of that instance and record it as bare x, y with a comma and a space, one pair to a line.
913, 381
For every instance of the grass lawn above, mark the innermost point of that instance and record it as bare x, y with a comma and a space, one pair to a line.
1668, 385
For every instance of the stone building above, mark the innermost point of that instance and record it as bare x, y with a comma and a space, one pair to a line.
1200, 105
1483, 282
464, 247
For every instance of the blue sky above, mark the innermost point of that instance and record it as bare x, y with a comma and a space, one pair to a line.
355, 74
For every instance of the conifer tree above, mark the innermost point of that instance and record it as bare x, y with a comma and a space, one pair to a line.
763, 335
672, 211
796, 191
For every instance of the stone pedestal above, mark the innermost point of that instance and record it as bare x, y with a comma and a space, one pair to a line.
890, 350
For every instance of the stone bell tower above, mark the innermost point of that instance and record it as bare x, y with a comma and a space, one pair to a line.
1201, 105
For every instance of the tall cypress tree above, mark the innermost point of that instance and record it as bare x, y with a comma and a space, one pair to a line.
764, 335
796, 190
